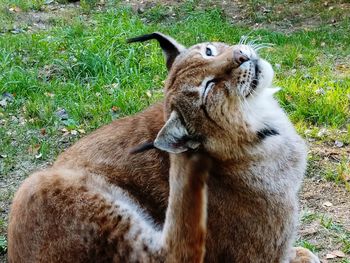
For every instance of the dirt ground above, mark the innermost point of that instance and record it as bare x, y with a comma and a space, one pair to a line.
272, 15
325, 204
331, 201
262, 14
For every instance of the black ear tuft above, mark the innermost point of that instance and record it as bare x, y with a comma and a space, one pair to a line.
142, 148
169, 46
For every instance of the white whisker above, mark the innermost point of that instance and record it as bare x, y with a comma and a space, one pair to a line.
243, 40
259, 46
252, 42
264, 45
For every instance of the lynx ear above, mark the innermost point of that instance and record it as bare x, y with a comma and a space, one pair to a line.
170, 47
174, 138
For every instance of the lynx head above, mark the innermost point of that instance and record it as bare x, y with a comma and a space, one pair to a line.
213, 95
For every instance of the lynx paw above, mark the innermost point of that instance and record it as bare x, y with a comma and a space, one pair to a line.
303, 255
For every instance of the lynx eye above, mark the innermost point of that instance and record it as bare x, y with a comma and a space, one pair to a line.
210, 51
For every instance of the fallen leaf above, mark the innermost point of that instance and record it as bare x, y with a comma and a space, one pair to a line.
307, 132
48, 94
15, 9
338, 253
327, 204
22, 120
115, 85
82, 131
8, 96
322, 132
3, 103
346, 177
308, 231
3, 156
73, 132
38, 156
43, 131
115, 108
34, 149
343, 68
330, 256
149, 94
307, 76
338, 144
62, 114
320, 91
17, 31
289, 98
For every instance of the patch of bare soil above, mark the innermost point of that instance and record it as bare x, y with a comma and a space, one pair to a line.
297, 15
325, 204
285, 17
273, 15
331, 201
45, 18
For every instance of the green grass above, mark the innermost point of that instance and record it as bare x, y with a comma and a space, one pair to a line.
89, 68
84, 59
3, 244
336, 171
307, 244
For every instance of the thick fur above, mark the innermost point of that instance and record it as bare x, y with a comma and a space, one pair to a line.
72, 216
223, 99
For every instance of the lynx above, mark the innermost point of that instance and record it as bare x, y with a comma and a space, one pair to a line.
106, 201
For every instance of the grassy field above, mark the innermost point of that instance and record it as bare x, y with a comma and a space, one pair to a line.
78, 73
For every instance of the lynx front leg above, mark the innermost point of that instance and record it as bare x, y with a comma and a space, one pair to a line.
303, 255
185, 225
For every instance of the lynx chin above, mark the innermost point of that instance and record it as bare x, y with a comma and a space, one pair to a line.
211, 174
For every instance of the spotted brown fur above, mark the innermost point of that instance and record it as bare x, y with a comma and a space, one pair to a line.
99, 203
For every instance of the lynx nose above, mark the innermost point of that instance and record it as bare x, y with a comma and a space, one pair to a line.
243, 53
233, 57
239, 56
